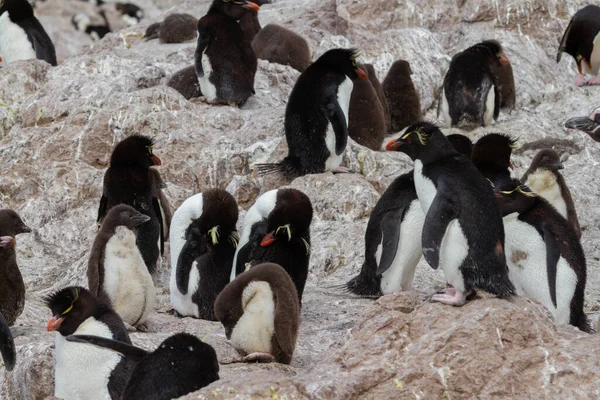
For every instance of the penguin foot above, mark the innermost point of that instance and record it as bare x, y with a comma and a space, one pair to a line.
262, 358
458, 298
580, 80
594, 81
129, 328
142, 328
341, 170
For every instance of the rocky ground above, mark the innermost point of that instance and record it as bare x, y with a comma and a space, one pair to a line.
58, 126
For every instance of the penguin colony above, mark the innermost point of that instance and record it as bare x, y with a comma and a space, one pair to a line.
460, 207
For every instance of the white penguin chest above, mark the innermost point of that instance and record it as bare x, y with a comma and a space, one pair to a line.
254, 330
14, 44
82, 371
544, 184
209, 90
424, 186
126, 278
594, 58
343, 98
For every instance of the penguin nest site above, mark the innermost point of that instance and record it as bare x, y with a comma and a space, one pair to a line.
267, 199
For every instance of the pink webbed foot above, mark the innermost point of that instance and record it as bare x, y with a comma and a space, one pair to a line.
594, 81
580, 80
262, 358
341, 170
451, 296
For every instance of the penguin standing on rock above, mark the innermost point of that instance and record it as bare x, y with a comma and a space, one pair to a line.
22, 37
224, 60
203, 243
12, 287
130, 181
116, 271
277, 229
366, 121
7, 345
82, 23
82, 371
370, 70
280, 45
176, 28
543, 179
130, 13
401, 95
470, 93
581, 40
537, 236
463, 231
181, 364
316, 116
589, 125
260, 313
185, 81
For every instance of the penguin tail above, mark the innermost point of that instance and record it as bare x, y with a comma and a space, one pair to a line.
287, 168
581, 321
497, 284
364, 286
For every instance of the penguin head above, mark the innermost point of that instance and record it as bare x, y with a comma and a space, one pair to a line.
547, 159
423, 141
492, 152
217, 224
513, 196
342, 61
290, 219
461, 143
11, 224
235, 9
123, 215
186, 345
495, 48
134, 151
18, 10
400, 68
70, 307
589, 125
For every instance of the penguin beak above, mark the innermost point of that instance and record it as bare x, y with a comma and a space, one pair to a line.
268, 239
54, 324
7, 241
510, 165
155, 160
583, 124
394, 145
361, 73
140, 219
251, 6
25, 229
504, 60
557, 165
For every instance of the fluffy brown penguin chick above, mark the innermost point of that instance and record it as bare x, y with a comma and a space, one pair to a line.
366, 120
402, 97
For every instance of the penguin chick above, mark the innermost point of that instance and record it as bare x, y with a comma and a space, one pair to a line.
22, 37
370, 70
581, 41
181, 364
366, 120
316, 116
185, 81
116, 271
491, 155
544, 255
12, 287
130, 13
277, 44
176, 28
81, 371
83, 23
402, 97
203, 244
470, 92
130, 181
589, 125
277, 230
249, 22
7, 344
503, 75
462, 144
260, 313
463, 231
224, 60
543, 179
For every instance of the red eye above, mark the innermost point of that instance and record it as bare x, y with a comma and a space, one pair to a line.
408, 141
497, 194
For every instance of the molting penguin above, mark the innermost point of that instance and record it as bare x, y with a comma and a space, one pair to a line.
401, 95
130, 181
589, 125
544, 255
392, 244
83, 23
185, 81
543, 179
370, 70
277, 229
463, 231
316, 116
277, 44
203, 242
366, 121
176, 28
181, 364
12, 287
582, 41
82, 371
130, 13
22, 37
470, 93
116, 271
7, 344
224, 60
260, 313
491, 155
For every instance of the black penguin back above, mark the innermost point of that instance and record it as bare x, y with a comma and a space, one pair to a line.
578, 39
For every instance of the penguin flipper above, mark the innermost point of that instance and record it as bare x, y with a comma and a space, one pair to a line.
390, 235
203, 41
129, 351
7, 345
552, 257
41, 42
102, 209
443, 210
286, 305
563, 42
158, 211
192, 249
336, 117
497, 101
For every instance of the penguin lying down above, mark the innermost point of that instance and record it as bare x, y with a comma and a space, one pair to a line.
180, 365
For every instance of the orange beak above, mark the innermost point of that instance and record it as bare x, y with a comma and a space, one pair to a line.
504, 60
155, 160
393, 145
361, 74
510, 165
268, 239
251, 6
54, 324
